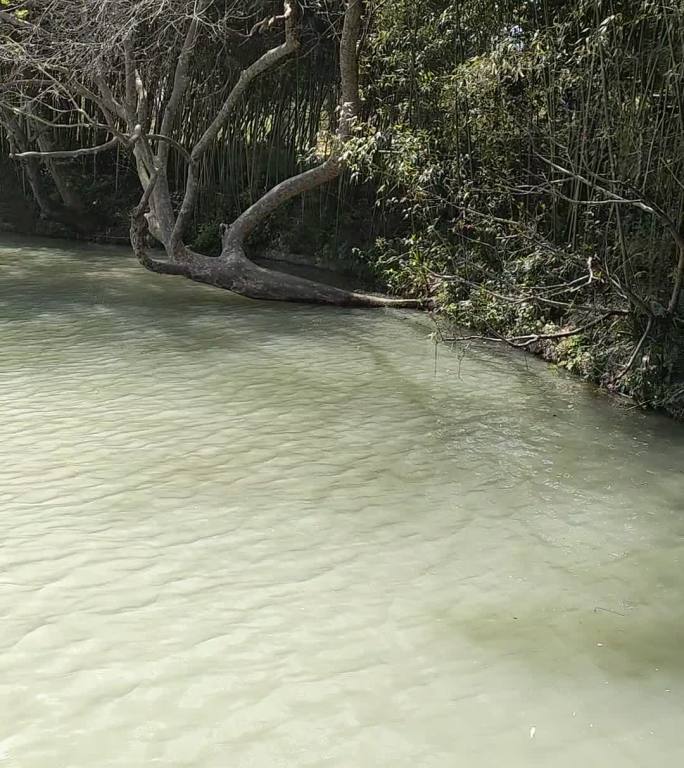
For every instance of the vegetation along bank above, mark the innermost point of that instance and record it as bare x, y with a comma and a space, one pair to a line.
517, 166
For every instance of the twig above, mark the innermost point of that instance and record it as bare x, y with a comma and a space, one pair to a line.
636, 351
74, 153
521, 342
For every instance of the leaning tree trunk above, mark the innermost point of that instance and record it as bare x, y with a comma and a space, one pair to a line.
233, 270
32, 168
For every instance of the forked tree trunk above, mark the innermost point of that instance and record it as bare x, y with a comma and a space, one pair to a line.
233, 270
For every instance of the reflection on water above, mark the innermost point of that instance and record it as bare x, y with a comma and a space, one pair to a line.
271, 535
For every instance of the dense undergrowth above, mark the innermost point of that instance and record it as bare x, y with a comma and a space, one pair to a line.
533, 154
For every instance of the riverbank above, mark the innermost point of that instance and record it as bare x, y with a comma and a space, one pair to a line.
597, 355
609, 356
551, 305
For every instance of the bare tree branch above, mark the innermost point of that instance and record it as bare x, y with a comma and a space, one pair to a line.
330, 168
636, 351
264, 63
65, 154
521, 342
180, 79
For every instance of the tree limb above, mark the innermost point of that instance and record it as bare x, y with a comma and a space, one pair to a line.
265, 62
332, 167
180, 80
521, 342
535, 337
149, 189
74, 153
636, 351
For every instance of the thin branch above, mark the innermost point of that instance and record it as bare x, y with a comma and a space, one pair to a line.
171, 142
75, 153
636, 351
180, 79
51, 124
535, 337
149, 189
265, 24
522, 342
67, 153
613, 197
129, 65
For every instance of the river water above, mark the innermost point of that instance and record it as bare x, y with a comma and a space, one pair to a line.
245, 534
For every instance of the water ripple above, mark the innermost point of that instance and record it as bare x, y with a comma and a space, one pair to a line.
268, 535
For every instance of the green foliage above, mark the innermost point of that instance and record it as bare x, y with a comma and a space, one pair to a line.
466, 100
575, 353
20, 13
208, 238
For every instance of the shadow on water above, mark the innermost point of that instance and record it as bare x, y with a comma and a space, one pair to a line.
552, 638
